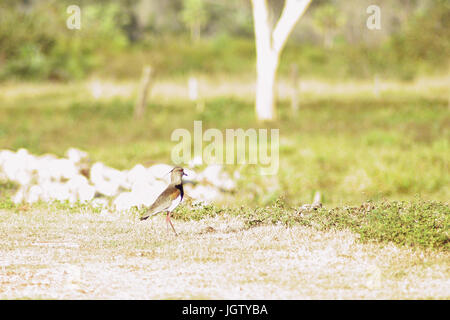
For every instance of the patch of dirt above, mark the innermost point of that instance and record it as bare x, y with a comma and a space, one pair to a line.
121, 258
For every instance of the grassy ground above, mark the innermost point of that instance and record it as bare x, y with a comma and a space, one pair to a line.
80, 254
345, 142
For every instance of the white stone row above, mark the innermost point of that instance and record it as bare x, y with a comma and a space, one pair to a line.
50, 178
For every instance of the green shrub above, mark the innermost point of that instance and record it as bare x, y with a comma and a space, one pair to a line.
38, 44
413, 223
417, 223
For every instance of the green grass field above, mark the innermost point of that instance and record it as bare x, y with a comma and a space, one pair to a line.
359, 206
380, 163
351, 146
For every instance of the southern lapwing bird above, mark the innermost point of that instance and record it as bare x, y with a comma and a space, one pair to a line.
170, 198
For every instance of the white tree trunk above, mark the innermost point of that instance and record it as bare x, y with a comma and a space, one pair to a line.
266, 86
268, 48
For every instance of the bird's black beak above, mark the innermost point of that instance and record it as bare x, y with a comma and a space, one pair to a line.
184, 174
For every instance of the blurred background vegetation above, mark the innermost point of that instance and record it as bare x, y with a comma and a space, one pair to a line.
346, 142
216, 37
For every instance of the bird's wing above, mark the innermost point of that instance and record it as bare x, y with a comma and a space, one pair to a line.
163, 201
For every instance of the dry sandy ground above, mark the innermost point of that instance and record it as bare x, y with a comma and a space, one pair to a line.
61, 255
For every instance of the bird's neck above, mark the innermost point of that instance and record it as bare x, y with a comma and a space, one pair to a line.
177, 184
180, 187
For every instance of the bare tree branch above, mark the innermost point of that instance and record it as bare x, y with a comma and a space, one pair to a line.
292, 11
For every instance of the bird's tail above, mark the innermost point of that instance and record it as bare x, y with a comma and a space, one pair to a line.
148, 215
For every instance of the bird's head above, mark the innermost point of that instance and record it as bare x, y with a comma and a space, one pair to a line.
176, 175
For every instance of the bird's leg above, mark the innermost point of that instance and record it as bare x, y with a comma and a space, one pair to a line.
169, 221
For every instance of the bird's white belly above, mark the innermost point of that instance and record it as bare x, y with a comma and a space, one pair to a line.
175, 203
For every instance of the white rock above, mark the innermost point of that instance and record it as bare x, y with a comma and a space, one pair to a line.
62, 168
34, 194
96, 173
23, 153
5, 155
190, 174
158, 187
140, 186
43, 168
160, 171
107, 188
49, 178
124, 201
196, 161
19, 197
204, 193
145, 194
228, 184
86, 193
102, 178
43, 176
11, 167
58, 191
116, 176
142, 194
137, 173
77, 182
75, 155
212, 171
23, 177
215, 175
